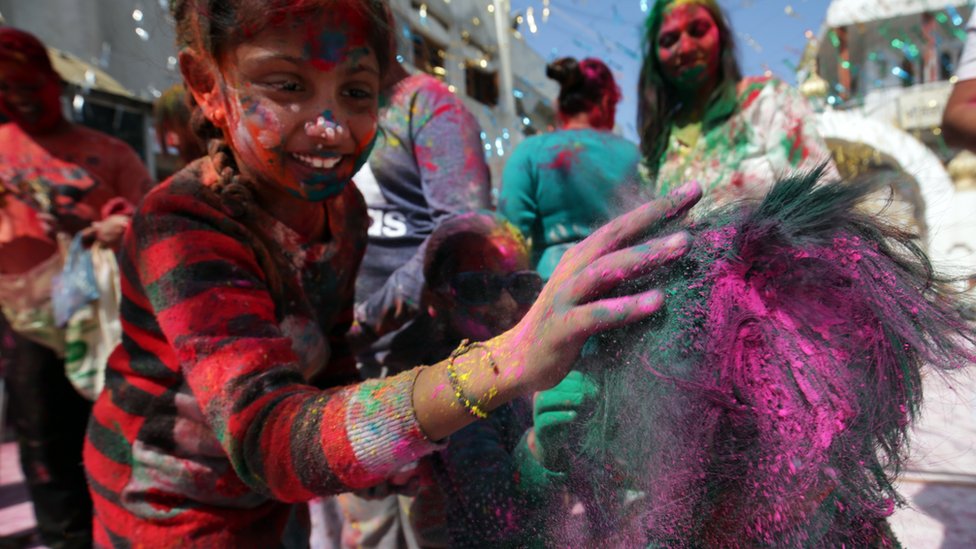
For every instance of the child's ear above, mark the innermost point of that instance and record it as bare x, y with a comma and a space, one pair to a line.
201, 81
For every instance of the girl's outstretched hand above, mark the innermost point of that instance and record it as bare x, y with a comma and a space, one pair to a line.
542, 348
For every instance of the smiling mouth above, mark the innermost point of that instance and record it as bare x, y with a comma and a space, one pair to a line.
318, 162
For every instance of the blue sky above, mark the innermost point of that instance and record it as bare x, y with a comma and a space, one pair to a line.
770, 36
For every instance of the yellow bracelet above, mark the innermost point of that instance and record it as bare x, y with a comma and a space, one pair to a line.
475, 408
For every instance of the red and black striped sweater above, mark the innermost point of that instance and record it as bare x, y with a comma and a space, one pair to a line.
208, 422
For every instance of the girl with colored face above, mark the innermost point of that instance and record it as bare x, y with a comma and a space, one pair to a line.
239, 274
689, 47
699, 119
298, 101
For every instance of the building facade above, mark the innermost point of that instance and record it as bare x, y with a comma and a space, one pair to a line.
457, 41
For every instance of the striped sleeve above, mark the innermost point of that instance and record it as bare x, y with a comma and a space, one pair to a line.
284, 438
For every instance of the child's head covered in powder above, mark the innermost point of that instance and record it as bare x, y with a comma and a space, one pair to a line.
768, 403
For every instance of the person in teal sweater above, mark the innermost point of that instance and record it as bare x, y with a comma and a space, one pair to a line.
558, 187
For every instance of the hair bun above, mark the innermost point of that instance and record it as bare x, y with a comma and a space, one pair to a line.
566, 71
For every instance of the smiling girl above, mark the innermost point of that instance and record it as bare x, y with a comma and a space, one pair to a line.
237, 292
699, 119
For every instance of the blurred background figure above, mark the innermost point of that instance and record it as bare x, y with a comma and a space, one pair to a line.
557, 187
428, 164
57, 177
173, 129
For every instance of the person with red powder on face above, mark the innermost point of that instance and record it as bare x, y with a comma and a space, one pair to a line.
557, 187
478, 285
238, 276
55, 177
173, 131
699, 119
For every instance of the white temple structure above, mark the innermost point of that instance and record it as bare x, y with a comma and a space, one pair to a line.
881, 71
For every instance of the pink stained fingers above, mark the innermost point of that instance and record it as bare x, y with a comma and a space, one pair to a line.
609, 271
616, 312
625, 229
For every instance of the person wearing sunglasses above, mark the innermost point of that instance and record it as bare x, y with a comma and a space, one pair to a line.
477, 304
477, 284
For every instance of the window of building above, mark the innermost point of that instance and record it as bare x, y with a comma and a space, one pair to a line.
428, 13
428, 55
482, 85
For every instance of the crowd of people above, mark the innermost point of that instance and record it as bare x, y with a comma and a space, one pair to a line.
329, 339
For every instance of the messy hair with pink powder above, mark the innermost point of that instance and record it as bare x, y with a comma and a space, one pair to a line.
768, 403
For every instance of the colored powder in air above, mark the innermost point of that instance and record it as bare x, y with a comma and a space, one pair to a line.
767, 404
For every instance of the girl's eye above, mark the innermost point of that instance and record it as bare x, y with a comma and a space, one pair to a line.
358, 93
285, 85
700, 29
666, 40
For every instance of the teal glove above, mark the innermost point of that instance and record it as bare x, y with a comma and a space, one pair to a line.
554, 415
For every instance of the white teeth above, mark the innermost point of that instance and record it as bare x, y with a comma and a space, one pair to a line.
319, 162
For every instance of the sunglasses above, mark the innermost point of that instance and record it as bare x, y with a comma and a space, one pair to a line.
484, 287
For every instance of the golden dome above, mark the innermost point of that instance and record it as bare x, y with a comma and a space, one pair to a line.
962, 170
814, 86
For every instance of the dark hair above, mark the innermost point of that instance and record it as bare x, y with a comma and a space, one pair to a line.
582, 84
23, 48
658, 101
446, 244
213, 26
769, 401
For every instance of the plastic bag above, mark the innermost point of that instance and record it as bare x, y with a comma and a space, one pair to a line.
75, 287
94, 330
26, 303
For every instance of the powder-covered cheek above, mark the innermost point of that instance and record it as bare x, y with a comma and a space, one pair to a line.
365, 139
267, 127
261, 124
257, 134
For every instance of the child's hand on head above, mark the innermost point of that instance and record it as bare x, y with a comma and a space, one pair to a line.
544, 345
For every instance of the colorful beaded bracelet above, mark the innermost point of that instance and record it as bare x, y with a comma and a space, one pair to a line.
477, 408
